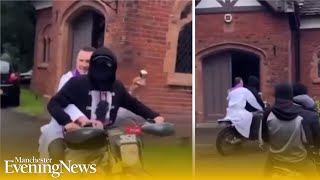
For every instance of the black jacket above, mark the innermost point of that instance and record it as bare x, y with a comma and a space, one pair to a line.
311, 122
253, 86
287, 111
76, 91
258, 98
284, 110
311, 126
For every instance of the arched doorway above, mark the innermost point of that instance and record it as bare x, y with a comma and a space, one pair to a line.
218, 72
87, 29
244, 65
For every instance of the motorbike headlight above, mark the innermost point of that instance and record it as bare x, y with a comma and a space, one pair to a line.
130, 155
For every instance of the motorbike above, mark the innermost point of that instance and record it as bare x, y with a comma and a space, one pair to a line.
229, 140
116, 151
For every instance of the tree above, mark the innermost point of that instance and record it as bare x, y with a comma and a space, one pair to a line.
17, 32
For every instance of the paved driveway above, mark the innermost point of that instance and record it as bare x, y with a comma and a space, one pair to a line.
249, 159
19, 134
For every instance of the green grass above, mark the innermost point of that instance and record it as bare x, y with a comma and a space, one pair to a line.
30, 103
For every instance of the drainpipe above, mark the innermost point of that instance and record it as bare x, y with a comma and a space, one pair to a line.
292, 10
297, 44
297, 59
296, 49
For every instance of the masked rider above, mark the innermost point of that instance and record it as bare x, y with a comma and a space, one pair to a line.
98, 95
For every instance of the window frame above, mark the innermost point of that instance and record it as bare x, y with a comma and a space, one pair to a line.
175, 25
46, 41
316, 65
184, 28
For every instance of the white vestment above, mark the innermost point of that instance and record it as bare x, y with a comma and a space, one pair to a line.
236, 112
53, 130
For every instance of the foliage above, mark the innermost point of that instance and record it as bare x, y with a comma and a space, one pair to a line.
318, 105
17, 33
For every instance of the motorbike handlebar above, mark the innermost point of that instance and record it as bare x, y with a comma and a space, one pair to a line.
83, 137
163, 129
149, 127
89, 124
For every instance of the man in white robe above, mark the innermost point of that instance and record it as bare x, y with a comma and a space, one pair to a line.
236, 112
50, 141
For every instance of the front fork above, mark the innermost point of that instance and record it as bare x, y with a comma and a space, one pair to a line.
125, 156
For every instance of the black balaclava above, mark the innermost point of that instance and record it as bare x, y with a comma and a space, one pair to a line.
253, 82
102, 69
283, 91
102, 75
284, 109
299, 89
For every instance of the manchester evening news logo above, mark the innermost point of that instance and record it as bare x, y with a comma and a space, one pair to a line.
44, 166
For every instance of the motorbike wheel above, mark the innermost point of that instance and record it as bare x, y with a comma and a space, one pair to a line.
224, 139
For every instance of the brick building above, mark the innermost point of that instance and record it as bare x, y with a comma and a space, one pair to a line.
147, 34
275, 40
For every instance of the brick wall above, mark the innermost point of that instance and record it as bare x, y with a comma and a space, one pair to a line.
310, 46
260, 30
40, 71
137, 33
64, 11
146, 27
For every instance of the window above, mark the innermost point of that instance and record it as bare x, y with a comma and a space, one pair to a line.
44, 58
318, 57
184, 50
46, 50
315, 66
178, 59
319, 69
186, 11
46, 45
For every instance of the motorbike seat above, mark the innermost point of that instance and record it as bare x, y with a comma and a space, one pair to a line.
225, 122
85, 138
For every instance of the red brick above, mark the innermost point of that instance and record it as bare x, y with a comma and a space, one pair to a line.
144, 24
261, 30
40, 84
310, 45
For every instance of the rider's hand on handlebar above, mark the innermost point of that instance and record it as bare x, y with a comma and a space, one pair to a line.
71, 127
159, 119
97, 124
83, 120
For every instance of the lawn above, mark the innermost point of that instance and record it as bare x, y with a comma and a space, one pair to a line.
30, 103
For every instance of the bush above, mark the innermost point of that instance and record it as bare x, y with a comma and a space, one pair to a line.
318, 105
